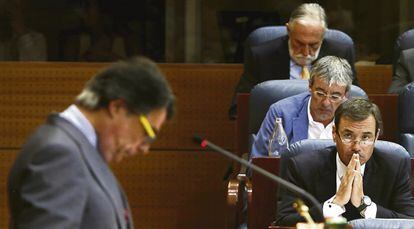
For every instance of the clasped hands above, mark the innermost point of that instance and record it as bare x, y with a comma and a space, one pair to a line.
351, 188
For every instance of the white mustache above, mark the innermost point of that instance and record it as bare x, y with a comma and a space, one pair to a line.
304, 60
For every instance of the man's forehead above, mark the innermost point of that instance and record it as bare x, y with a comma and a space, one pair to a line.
308, 21
319, 83
367, 125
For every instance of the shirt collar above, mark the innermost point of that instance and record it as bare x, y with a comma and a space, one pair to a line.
76, 117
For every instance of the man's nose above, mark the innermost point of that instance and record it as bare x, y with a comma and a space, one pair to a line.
355, 146
326, 101
305, 50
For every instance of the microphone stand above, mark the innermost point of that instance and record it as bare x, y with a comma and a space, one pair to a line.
292, 187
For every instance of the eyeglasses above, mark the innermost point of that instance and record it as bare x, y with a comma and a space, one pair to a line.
332, 97
148, 128
348, 139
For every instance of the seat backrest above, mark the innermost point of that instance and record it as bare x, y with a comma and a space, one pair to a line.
267, 33
406, 118
266, 93
403, 42
382, 223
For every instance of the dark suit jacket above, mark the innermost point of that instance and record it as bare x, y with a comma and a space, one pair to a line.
271, 61
386, 181
59, 180
404, 71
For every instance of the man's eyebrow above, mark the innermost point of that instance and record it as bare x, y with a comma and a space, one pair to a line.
320, 89
350, 131
347, 131
336, 93
366, 133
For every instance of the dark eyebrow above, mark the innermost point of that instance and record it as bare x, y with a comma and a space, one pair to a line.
320, 89
348, 131
367, 133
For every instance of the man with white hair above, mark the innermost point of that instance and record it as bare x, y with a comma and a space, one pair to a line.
291, 56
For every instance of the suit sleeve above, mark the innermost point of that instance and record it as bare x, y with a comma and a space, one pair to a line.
402, 202
399, 79
248, 79
287, 215
53, 190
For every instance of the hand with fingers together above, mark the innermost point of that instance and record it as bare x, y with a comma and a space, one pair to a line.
351, 187
357, 186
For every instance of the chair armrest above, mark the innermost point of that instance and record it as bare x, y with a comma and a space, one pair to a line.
236, 188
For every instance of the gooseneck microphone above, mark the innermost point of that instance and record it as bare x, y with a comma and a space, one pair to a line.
292, 187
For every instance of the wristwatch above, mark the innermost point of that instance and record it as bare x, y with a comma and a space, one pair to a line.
365, 202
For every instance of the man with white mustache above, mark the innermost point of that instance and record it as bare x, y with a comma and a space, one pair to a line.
285, 57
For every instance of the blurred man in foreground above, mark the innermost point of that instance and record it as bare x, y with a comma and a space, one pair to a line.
61, 179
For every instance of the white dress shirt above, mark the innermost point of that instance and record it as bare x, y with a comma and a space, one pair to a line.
317, 130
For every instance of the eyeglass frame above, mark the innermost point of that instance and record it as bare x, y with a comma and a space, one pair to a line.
360, 141
331, 97
149, 130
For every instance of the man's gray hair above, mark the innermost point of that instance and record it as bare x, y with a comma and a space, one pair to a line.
308, 11
332, 70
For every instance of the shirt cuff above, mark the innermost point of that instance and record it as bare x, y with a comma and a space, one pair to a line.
333, 210
371, 211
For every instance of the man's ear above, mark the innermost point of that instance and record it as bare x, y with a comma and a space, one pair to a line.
287, 28
334, 132
378, 134
116, 106
347, 94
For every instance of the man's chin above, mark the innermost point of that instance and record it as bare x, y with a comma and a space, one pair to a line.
300, 62
324, 117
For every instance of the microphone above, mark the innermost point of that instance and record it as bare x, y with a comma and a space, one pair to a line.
292, 187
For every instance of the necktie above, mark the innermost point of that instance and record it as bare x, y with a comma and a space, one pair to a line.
304, 73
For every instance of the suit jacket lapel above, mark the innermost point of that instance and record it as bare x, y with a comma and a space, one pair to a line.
300, 123
370, 184
276, 64
98, 167
284, 51
326, 182
322, 51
